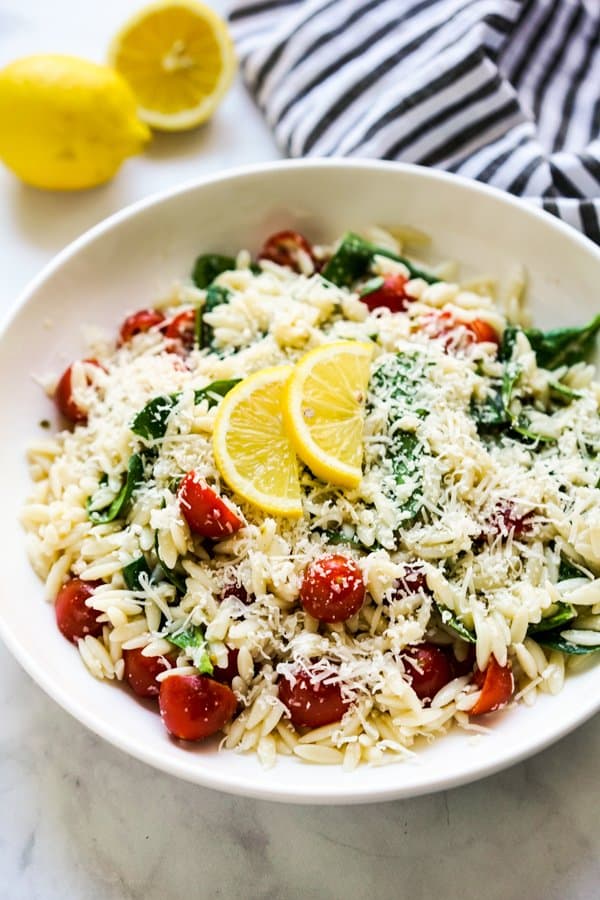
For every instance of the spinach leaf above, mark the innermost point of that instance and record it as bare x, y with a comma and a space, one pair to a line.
177, 579
353, 258
132, 572
490, 414
215, 295
208, 266
568, 569
522, 426
135, 474
151, 421
399, 378
215, 389
562, 613
555, 641
192, 640
566, 394
337, 537
512, 373
557, 347
451, 620
507, 346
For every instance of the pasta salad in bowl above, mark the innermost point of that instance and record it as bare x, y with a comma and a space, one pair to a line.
324, 502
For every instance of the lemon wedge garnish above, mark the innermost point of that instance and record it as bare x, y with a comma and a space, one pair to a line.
179, 60
323, 409
252, 451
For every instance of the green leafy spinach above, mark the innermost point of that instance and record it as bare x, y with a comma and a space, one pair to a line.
133, 476
353, 258
209, 266
150, 422
193, 641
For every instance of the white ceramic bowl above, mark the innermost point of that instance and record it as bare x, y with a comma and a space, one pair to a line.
133, 257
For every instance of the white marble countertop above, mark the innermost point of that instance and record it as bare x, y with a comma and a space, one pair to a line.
80, 820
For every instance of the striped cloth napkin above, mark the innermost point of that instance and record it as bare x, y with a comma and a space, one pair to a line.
505, 91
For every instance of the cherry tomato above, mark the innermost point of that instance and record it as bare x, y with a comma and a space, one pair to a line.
332, 589
182, 328
497, 685
205, 511
463, 666
74, 619
391, 295
229, 671
428, 668
412, 581
193, 707
312, 703
141, 671
237, 590
138, 322
63, 395
284, 247
482, 331
505, 520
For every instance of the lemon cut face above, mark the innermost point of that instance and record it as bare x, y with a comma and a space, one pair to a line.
251, 447
179, 60
323, 409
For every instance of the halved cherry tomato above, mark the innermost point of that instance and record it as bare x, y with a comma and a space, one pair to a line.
182, 328
391, 295
193, 707
505, 520
412, 581
141, 671
229, 671
75, 620
207, 513
333, 588
482, 331
497, 686
284, 248
63, 395
312, 703
138, 322
428, 667
463, 666
237, 590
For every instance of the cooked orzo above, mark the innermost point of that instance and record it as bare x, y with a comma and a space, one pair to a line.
325, 502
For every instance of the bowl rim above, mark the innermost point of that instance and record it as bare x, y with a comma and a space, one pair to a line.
179, 767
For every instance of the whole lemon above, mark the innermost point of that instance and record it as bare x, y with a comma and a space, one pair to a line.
66, 123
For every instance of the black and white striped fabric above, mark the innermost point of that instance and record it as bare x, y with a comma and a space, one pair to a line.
505, 91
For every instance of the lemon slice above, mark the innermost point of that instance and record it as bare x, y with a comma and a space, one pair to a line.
323, 409
252, 450
179, 60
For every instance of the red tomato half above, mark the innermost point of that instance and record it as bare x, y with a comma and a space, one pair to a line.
312, 703
482, 331
284, 248
141, 672
497, 686
332, 589
193, 707
182, 328
429, 669
391, 295
75, 620
63, 395
505, 520
229, 671
138, 322
412, 581
207, 513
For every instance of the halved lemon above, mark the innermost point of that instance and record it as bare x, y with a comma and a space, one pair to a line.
323, 409
252, 451
178, 58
